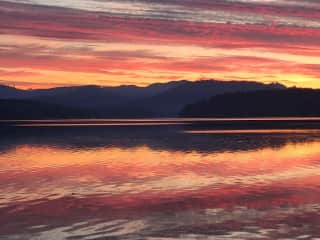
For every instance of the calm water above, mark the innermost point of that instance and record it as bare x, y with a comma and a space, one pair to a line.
160, 179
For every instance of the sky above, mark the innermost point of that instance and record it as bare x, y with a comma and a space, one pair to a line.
45, 43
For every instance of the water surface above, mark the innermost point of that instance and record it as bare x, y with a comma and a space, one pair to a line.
160, 179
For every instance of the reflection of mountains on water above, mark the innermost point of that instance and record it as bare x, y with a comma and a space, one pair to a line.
172, 137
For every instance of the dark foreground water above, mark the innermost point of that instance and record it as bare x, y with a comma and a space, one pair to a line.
160, 179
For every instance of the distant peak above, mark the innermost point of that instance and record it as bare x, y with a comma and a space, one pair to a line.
7, 87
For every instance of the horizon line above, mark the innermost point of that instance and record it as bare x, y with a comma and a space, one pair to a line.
138, 86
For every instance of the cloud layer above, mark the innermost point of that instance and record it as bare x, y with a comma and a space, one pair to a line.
140, 42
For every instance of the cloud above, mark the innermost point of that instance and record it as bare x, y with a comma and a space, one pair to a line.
20, 73
62, 23
30, 85
199, 11
152, 37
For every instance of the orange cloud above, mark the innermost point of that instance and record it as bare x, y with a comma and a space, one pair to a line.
103, 48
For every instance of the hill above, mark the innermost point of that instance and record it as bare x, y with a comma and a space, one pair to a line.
30, 109
291, 102
169, 103
11, 92
155, 100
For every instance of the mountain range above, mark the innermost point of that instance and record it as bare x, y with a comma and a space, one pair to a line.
291, 102
155, 100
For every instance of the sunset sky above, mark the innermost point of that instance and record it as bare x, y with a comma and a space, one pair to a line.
45, 43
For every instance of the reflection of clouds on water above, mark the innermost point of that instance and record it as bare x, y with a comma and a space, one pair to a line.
54, 173
158, 183
88, 230
240, 223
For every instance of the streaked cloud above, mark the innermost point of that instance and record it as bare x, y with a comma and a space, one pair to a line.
120, 41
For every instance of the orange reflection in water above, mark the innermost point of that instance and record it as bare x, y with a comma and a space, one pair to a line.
255, 131
60, 172
144, 160
46, 185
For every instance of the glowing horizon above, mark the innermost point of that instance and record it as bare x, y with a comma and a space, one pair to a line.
46, 44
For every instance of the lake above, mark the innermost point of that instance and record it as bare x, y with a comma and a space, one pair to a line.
160, 179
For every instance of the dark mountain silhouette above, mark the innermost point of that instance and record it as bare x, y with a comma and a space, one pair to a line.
155, 100
89, 97
170, 102
10, 92
291, 102
107, 100
30, 109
